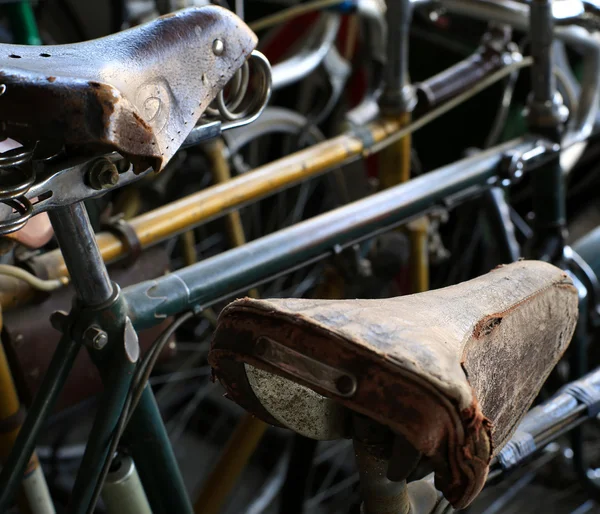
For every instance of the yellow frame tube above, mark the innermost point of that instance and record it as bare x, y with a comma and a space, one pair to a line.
175, 218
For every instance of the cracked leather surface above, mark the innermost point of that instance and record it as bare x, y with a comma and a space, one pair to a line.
139, 92
453, 370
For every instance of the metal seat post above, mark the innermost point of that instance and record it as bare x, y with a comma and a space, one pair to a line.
82, 257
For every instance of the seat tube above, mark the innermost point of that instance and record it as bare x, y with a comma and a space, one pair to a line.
101, 323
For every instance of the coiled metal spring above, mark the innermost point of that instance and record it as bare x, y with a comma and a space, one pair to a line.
17, 175
238, 107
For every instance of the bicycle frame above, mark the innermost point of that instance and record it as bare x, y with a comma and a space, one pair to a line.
201, 285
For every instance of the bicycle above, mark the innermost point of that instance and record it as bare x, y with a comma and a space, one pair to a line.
206, 283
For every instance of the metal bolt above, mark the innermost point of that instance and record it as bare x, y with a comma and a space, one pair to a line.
218, 47
58, 320
103, 174
95, 337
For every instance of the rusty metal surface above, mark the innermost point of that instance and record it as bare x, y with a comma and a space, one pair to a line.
30, 339
140, 91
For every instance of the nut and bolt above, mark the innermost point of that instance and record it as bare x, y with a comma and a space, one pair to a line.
103, 174
95, 337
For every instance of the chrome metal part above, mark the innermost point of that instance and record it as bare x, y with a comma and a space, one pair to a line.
398, 95
242, 110
317, 45
218, 47
372, 14
17, 175
274, 120
59, 185
545, 109
123, 491
203, 132
82, 257
297, 407
516, 162
306, 369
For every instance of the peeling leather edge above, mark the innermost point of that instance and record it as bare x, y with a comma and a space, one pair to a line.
459, 419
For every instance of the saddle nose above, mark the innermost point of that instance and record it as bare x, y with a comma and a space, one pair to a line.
139, 92
452, 370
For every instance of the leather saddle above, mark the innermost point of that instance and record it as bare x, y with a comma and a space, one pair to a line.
139, 92
453, 370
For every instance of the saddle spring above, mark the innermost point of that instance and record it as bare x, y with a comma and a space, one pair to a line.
17, 175
240, 103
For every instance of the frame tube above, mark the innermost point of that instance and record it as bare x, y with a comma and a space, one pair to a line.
204, 283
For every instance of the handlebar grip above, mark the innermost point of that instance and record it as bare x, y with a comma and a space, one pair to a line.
489, 58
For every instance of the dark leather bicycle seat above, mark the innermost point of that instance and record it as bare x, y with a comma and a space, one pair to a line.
139, 92
453, 370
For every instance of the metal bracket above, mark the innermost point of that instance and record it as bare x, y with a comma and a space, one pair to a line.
515, 162
309, 370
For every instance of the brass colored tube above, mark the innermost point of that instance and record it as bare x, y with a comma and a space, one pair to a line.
177, 217
190, 256
216, 151
247, 435
33, 497
395, 169
394, 161
419, 254
233, 459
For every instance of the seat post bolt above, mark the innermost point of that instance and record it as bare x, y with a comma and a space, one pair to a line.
218, 47
95, 337
103, 174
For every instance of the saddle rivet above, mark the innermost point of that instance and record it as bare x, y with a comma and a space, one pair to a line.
345, 385
218, 47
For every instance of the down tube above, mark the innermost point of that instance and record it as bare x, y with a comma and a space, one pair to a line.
222, 275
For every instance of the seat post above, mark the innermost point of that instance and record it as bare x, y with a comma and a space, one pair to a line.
384, 461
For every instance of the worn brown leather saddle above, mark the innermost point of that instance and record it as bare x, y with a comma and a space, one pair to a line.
452, 370
139, 92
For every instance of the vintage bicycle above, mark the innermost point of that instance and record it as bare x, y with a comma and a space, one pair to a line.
150, 112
